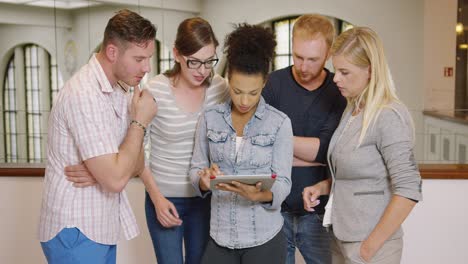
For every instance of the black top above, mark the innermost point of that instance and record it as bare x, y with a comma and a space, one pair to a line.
313, 114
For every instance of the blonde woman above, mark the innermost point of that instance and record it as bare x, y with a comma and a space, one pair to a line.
376, 181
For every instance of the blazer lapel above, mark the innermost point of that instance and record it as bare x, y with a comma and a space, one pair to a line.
338, 131
334, 138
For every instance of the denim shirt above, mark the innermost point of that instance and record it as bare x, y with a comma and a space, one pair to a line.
268, 148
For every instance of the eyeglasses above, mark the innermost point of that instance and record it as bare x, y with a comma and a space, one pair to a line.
196, 64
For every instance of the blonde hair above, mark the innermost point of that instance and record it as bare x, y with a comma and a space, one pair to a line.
311, 25
362, 47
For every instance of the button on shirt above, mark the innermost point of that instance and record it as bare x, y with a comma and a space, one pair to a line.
267, 147
88, 119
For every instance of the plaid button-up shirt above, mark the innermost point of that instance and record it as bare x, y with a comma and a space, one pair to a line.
88, 119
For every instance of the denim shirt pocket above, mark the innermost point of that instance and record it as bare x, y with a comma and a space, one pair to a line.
217, 140
262, 148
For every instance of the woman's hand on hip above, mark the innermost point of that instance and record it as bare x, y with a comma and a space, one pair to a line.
367, 251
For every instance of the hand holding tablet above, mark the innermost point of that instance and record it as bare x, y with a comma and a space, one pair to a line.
267, 180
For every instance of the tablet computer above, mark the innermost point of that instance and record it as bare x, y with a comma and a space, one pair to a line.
266, 179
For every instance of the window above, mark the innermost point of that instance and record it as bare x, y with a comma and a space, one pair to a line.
56, 81
161, 61
31, 81
165, 59
33, 107
9, 114
283, 30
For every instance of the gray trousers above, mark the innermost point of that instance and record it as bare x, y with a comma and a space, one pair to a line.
349, 252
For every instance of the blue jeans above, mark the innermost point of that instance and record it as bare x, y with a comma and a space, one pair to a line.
73, 247
194, 231
307, 234
272, 252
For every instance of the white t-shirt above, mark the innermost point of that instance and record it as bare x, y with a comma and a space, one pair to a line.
172, 135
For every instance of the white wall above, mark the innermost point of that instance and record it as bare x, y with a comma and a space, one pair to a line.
20, 204
166, 21
29, 25
435, 232
33, 16
440, 18
14, 35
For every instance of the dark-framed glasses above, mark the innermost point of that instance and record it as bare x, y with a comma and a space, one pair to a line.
196, 64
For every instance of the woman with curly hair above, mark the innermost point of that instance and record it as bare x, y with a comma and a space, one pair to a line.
244, 136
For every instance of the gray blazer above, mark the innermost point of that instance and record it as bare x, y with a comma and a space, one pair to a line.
366, 177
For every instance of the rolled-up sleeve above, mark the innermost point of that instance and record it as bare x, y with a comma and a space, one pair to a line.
281, 165
396, 145
200, 157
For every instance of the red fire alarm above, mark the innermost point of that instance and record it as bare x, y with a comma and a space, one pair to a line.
448, 71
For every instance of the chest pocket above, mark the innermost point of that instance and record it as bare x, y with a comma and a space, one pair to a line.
217, 140
262, 148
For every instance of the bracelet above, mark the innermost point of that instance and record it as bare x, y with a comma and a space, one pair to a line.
140, 125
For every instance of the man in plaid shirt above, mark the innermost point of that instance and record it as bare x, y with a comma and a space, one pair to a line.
95, 126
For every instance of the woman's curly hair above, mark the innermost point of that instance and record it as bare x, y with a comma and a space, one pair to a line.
250, 49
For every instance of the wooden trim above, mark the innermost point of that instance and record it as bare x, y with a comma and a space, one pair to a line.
428, 171
21, 172
450, 116
444, 171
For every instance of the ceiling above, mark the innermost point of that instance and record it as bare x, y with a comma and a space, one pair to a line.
62, 4
182, 5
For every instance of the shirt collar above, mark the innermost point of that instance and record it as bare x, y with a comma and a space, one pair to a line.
101, 77
260, 112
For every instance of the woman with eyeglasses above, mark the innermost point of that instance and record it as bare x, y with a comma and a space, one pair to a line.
174, 214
